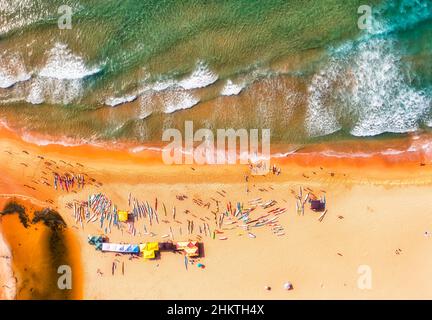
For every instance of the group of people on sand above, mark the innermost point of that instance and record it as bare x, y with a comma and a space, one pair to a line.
276, 170
67, 181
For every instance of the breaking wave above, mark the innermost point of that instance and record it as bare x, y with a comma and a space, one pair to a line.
201, 77
64, 65
58, 81
12, 70
366, 88
179, 100
231, 89
115, 101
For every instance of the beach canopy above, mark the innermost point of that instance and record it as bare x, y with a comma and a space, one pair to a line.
95, 240
149, 254
191, 248
121, 248
150, 246
149, 249
123, 216
317, 205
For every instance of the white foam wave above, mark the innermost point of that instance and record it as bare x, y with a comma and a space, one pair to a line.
286, 153
139, 149
162, 85
115, 101
63, 64
174, 94
60, 141
386, 102
320, 118
231, 89
60, 80
179, 100
54, 91
12, 70
36, 94
17, 14
146, 104
201, 77
420, 147
365, 86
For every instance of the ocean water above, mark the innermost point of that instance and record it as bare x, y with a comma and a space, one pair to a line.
127, 70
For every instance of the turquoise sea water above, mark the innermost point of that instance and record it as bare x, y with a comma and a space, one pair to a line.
128, 69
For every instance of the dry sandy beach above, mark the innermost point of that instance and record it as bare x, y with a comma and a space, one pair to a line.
378, 218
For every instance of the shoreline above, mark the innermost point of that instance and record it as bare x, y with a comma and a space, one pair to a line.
407, 149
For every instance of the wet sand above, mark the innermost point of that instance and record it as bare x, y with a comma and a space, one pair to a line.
377, 216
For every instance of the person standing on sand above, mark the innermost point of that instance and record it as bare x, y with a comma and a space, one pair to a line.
247, 183
114, 266
82, 181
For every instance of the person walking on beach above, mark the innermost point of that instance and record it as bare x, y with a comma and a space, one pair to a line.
55, 180
247, 183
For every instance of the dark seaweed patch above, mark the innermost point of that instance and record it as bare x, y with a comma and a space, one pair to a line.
13, 207
50, 218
